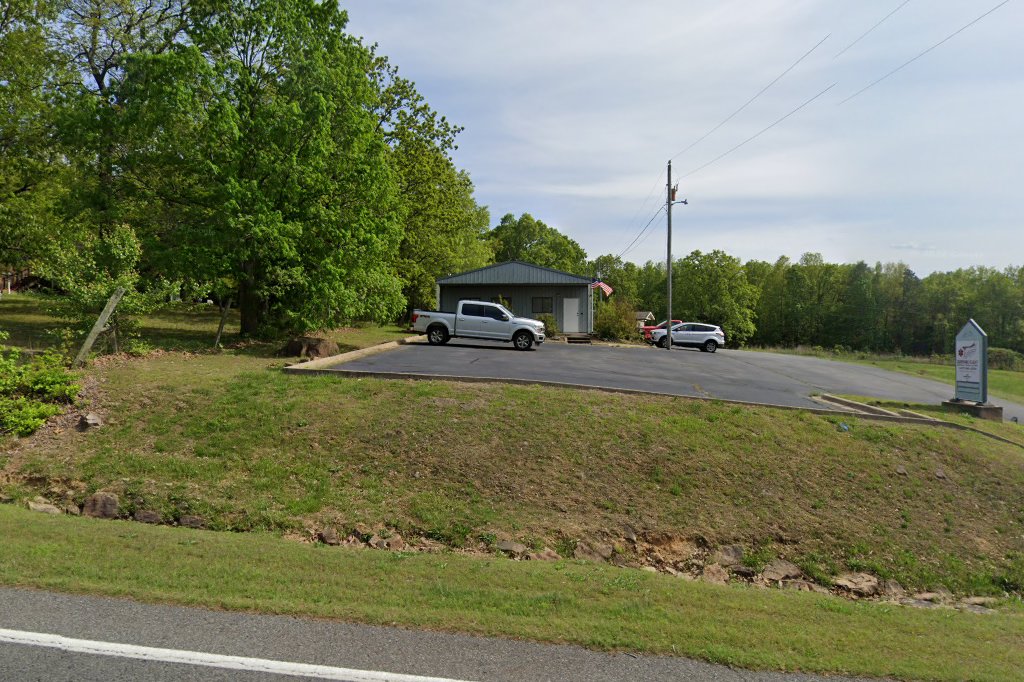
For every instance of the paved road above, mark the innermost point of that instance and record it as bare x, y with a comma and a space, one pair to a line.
773, 378
324, 643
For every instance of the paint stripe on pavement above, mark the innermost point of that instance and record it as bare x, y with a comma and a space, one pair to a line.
146, 653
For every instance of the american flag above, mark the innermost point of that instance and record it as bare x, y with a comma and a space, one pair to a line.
603, 287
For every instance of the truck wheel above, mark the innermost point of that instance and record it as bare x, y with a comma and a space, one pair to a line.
522, 340
437, 335
710, 346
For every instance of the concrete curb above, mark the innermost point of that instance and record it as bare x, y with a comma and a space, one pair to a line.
860, 407
330, 361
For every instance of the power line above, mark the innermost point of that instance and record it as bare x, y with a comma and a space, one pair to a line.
758, 134
637, 238
911, 61
865, 33
751, 100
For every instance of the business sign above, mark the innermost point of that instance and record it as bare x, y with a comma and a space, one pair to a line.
971, 360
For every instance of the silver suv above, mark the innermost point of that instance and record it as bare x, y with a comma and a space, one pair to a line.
707, 337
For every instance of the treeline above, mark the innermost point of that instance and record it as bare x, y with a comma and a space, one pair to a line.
885, 307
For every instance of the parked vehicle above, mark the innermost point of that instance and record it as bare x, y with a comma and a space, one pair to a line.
478, 320
707, 337
647, 329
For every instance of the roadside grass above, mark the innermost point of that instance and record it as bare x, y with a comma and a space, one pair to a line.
592, 605
231, 438
1002, 383
1008, 430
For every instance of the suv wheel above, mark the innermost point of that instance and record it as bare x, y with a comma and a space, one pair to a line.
522, 340
710, 346
663, 342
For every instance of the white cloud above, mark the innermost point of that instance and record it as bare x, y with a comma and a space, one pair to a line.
572, 108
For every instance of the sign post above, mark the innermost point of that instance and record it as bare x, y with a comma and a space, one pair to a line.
971, 361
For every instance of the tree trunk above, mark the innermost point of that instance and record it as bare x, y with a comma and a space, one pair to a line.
249, 305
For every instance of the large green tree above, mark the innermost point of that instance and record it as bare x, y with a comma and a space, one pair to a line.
444, 230
259, 143
30, 166
527, 239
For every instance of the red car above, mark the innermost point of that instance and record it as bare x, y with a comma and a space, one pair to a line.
648, 328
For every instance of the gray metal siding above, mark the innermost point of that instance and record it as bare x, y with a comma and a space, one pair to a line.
514, 272
520, 299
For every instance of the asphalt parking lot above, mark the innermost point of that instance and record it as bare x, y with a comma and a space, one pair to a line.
728, 374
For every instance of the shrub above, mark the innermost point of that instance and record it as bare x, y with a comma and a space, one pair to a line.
550, 324
31, 392
1004, 358
616, 319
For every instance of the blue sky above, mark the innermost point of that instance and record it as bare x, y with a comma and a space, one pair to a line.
571, 110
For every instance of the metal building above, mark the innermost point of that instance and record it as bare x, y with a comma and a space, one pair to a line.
527, 290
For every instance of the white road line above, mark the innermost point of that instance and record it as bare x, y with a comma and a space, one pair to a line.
146, 653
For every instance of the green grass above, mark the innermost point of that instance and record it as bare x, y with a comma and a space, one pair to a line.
1001, 383
1009, 430
231, 438
567, 601
177, 327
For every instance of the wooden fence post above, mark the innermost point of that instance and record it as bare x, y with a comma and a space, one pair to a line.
101, 322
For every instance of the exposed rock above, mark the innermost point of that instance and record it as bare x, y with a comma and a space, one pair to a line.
799, 585
649, 569
43, 507
938, 595
311, 347
363, 532
743, 571
940, 474
191, 521
72, 509
101, 506
394, 542
329, 536
516, 549
780, 569
980, 601
730, 555
919, 603
901, 470
629, 534
974, 608
891, 589
546, 554
593, 552
147, 516
859, 584
715, 574
89, 421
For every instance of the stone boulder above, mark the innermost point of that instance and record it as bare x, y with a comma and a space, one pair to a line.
43, 506
101, 506
858, 584
780, 569
730, 555
329, 536
715, 574
310, 347
147, 516
512, 548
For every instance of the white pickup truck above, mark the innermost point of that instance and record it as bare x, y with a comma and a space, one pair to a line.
478, 320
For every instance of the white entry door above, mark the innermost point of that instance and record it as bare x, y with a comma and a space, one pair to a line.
570, 315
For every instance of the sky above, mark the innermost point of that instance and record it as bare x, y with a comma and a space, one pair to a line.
573, 108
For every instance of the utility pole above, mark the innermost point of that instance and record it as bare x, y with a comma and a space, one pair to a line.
668, 260
670, 198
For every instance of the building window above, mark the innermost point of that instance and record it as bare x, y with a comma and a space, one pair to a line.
543, 304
